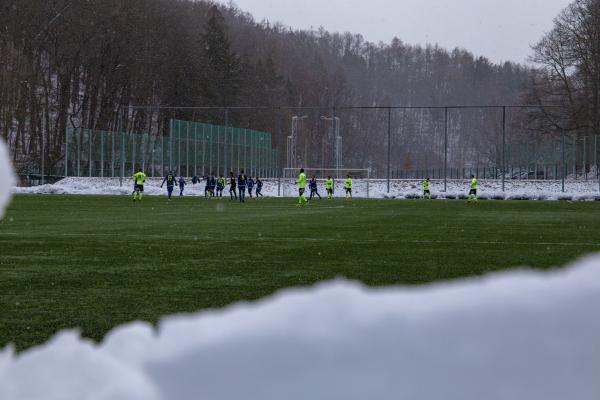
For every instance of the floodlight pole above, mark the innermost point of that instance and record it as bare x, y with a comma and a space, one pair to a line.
503, 145
445, 148
389, 147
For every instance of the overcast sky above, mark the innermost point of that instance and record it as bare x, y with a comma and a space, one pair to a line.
498, 29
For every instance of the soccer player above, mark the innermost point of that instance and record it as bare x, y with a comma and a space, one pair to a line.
220, 186
207, 186
259, 184
313, 188
301, 188
139, 178
473, 190
181, 186
250, 185
213, 183
426, 192
348, 186
232, 184
242, 186
329, 187
170, 180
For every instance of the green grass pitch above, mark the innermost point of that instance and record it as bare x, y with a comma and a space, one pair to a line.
95, 262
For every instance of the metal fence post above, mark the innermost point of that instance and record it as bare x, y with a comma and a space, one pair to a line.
503, 146
227, 147
90, 135
171, 145
102, 154
66, 153
389, 147
445, 149
564, 165
120, 129
575, 157
187, 151
43, 158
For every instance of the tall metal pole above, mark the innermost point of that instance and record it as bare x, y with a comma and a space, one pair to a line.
66, 153
171, 145
564, 165
120, 129
229, 162
43, 158
503, 145
389, 147
445, 148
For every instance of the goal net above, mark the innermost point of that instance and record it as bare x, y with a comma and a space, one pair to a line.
361, 178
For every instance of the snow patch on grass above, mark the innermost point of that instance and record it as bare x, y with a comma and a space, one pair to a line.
513, 335
6, 177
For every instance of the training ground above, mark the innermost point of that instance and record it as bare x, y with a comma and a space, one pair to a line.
95, 262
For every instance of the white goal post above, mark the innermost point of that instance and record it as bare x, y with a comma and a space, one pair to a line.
361, 179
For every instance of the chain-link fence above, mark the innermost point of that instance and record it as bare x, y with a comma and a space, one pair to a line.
189, 149
442, 143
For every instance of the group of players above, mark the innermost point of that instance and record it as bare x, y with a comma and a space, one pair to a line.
302, 200
243, 182
472, 191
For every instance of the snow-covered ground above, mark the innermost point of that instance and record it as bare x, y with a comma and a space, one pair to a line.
513, 335
488, 189
6, 177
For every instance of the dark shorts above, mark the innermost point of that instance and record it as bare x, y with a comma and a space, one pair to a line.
348, 190
329, 190
473, 191
301, 191
426, 192
139, 188
170, 188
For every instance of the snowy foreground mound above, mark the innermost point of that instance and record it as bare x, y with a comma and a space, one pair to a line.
515, 335
6, 177
490, 189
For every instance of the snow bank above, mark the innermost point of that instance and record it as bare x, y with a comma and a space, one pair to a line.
488, 189
6, 177
515, 335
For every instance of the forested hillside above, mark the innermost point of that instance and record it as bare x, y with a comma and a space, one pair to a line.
67, 63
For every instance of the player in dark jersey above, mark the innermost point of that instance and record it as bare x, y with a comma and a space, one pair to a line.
241, 181
232, 185
259, 185
170, 181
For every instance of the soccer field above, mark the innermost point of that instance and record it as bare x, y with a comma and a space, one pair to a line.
94, 262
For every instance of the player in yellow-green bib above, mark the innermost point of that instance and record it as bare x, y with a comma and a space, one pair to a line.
348, 186
302, 188
426, 192
473, 190
139, 178
329, 187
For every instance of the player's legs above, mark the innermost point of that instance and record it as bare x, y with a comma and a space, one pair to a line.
317, 193
242, 194
301, 199
169, 191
